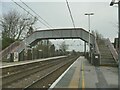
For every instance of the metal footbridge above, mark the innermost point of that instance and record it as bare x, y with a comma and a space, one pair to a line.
65, 33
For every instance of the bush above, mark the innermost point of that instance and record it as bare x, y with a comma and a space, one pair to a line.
6, 42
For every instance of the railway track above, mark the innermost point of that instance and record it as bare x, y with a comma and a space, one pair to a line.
13, 76
30, 78
46, 80
10, 70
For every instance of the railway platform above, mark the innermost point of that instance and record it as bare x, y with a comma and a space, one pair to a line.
81, 74
10, 64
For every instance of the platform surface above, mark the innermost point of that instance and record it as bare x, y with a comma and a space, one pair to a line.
9, 64
81, 74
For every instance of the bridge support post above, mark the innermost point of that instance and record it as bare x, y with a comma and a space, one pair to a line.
29, 54
11, 59
21, 56
85, 49
90, 55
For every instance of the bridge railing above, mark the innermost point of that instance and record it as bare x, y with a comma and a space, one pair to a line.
112, 50
9, 49
96, 48
96, 55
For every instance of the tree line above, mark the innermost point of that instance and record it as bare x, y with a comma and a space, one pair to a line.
16, 26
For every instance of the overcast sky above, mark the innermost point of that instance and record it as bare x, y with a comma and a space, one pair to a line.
56, 13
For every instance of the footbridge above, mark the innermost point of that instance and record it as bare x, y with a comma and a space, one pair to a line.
72, 67
65, 33
69, 33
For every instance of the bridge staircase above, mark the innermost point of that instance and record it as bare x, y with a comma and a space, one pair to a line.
108, 54
65, 33
10, 49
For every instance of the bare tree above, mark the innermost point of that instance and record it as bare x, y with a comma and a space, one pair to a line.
16, 25
97, 34
63, 47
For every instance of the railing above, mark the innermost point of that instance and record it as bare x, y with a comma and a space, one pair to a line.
112, 50
9, 49
96, 47
97, 51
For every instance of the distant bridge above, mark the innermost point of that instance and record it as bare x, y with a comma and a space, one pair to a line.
68, 33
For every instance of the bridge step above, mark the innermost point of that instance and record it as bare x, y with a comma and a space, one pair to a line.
106, 56
109, 64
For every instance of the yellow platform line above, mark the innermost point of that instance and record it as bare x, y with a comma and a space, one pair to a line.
75, 79
83, 80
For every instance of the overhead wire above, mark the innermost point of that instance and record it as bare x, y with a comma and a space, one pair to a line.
36, 13
30, 13
71, 16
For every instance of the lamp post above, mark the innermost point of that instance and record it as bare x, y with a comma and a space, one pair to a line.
111, 4
89, 14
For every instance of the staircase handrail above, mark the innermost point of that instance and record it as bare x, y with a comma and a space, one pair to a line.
96, 47
112, 50
8, 49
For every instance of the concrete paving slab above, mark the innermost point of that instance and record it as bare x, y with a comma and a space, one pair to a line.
111, 76
90, 75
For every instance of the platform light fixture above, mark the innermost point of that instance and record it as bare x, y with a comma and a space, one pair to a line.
89, 14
